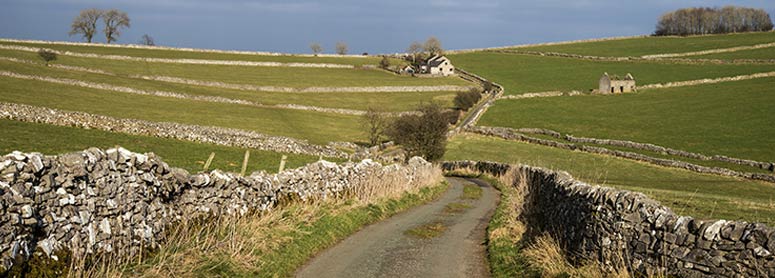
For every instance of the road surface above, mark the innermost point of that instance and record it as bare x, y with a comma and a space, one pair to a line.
384, 250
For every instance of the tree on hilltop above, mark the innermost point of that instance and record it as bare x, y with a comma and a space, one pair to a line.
415, 48
316, 48
86, 23
433, 46
341, 48
147, 40
114, 20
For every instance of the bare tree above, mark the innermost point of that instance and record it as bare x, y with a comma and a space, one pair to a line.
375, 122
147, 40
47, 55
114, 20
415, 48
341, 48
86, 23
433, 46
316, 48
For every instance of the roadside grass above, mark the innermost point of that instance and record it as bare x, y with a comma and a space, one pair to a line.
471, 192
183, 54
317, 127
389, 102
730, 118
658, 45
427, 231
455, 208
54, 140
270, 244
521, 74
251, 75
687, 193
761, 53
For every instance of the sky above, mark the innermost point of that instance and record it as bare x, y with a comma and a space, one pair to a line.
364, 25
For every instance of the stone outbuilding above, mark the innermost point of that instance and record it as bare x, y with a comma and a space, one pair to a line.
437, 65
616, 85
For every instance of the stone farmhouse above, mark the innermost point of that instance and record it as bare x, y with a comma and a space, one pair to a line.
438, 65
616, 85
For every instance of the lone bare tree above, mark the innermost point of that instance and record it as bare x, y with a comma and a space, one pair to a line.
47, 55
375, 123
147, 40
86, 23
114, 20
341, 48
316, 48
415, 48
433, 46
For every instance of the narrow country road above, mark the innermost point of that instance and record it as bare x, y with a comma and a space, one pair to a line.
386, 249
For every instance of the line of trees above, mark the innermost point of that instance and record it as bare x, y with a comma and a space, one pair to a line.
341, 48
701, 21
85, 24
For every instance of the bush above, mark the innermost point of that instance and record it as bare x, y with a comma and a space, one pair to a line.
384, 63
466, 100
422, 135
47, 55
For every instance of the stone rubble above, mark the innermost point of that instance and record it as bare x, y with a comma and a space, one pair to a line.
119, 202
622, 229
204, 134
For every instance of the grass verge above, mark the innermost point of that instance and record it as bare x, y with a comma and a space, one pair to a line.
273, 244
454, 208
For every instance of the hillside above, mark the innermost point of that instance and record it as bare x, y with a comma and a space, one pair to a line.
703, 98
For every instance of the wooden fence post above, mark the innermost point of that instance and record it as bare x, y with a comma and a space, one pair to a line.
282, 164
209, 161
245, 163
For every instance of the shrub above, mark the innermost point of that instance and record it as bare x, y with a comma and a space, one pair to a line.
384, 63
466, 100
47, 55
421, 135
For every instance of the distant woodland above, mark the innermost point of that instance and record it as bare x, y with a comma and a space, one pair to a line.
701, 21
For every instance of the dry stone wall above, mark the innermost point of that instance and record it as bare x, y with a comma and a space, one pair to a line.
204, 134
118, 202
626, 229
511, 134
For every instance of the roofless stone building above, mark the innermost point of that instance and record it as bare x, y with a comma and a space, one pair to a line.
616, 85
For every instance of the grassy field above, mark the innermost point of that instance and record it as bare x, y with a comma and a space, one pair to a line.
54, 140
658, 45
687, 193
526, 73
250, 75
762, 53
182, 54
730, 118
400, 101
316, 127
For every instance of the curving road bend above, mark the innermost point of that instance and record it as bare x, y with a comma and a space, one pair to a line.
384, 250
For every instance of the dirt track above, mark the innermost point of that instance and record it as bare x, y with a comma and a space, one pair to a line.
384, 250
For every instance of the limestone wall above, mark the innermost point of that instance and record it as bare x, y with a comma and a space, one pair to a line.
119, 202
626, 229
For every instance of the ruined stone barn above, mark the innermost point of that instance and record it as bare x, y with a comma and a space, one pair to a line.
616, 85
438, 65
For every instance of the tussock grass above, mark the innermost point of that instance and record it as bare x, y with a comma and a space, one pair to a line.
454, 208
471, 192
429, 230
